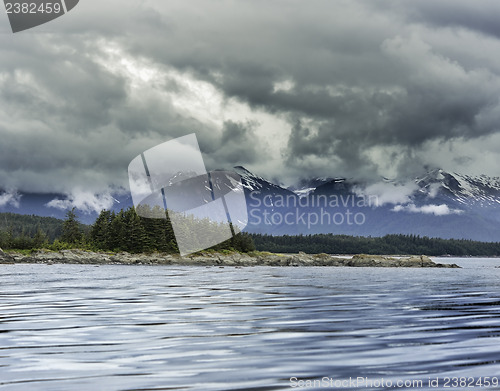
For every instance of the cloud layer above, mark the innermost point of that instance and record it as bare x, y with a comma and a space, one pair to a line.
290, 90
437, 210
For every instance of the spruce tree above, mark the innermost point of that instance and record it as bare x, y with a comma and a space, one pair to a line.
100, 231
40, 238
71, 228
137, 239
117, 241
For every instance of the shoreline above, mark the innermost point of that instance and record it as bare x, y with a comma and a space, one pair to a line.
219, 259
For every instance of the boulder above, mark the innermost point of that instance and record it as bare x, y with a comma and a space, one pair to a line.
6, 258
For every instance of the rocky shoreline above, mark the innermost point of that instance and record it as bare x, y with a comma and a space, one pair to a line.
217, 259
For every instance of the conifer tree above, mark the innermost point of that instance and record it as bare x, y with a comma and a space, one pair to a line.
137, 238
100, 231
71, 228
40, 238
117, 232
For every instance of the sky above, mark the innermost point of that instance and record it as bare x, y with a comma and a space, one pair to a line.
289, 89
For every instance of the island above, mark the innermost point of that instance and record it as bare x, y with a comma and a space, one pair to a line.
209, 258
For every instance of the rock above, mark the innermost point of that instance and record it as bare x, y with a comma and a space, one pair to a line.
383, 261
6, 258
364, 260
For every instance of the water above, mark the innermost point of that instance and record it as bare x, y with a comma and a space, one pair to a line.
76, 327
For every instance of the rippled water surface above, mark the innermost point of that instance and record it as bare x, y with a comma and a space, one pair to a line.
76, 327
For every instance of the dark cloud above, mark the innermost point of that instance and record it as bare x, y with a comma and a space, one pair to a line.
235, 146
480, 16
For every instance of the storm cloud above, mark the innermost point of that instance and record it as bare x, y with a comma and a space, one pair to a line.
289, 89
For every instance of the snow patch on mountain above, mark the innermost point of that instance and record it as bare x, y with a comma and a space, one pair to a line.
304, 192
305, 187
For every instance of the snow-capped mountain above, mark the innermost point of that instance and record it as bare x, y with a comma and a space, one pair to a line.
481, 190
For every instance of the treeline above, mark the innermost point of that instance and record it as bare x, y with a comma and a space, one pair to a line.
28, 225
28, 231
122, 231
127, 231
386, 245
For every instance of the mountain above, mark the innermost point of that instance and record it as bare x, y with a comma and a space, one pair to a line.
480, 191
435, 204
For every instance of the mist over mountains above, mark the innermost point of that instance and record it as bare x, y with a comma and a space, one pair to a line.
436, 204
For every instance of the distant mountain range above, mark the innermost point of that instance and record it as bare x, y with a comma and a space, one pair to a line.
437, 204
